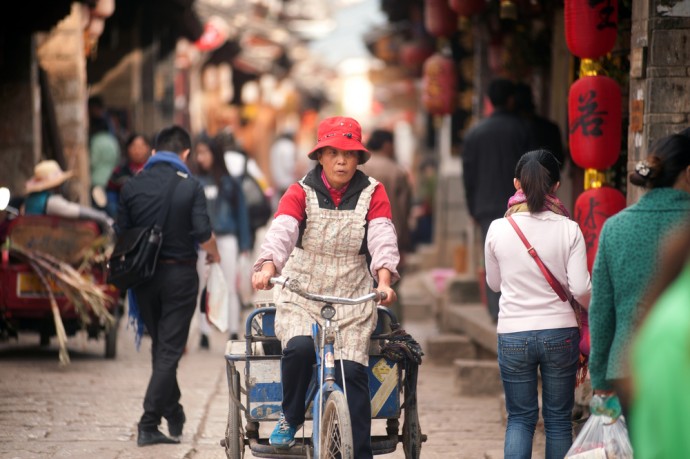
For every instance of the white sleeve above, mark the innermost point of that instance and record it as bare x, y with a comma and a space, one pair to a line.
382, 243
493, 270
278, 243
61, 207
579, 281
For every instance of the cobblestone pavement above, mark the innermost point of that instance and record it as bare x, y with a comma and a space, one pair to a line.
89, 409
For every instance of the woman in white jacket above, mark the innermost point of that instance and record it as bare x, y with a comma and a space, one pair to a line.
537, 330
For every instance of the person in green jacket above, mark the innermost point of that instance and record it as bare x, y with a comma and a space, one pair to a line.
627, 258
660, 360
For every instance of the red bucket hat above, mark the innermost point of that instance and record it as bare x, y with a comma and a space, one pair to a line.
340, 132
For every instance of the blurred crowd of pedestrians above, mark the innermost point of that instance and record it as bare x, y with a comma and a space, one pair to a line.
512, 160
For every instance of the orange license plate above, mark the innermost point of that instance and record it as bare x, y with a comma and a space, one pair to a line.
29, 285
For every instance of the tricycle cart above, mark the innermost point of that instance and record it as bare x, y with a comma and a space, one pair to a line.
35, 248
255, 392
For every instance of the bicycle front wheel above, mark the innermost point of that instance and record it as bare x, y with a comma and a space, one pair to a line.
336, 429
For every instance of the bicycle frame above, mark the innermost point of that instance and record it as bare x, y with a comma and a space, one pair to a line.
325, 383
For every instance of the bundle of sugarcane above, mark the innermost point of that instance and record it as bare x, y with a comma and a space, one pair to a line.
86, 296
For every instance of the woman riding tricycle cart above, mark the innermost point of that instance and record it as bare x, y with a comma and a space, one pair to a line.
332, 233
256, 397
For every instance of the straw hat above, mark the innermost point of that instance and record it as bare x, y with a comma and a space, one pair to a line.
340, 132
47, 174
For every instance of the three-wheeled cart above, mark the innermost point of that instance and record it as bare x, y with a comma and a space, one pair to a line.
25, 304
255, 392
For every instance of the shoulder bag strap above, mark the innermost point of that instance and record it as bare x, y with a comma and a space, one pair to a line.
246, 164
551, 279
169, 191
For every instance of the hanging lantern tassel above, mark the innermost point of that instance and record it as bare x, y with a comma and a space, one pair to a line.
592, 208
591, 67
594, 178
508, 10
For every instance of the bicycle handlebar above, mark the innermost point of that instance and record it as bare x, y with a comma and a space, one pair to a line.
294, 286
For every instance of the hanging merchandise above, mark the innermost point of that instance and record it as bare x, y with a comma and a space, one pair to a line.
467, 8
594, 125
592, 208
413, 54
439, 19
438, 85
591, 27
594, 122
508, 10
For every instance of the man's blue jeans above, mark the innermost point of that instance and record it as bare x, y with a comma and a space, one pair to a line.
555, 353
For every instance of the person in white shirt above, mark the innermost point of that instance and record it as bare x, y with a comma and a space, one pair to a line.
283, 164
537, 331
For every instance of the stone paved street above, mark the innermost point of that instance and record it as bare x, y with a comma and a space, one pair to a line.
89, 409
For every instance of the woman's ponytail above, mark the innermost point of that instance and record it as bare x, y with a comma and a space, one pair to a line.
538, 171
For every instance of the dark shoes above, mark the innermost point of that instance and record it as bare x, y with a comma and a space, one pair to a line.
203, 343
175, 428
154, 437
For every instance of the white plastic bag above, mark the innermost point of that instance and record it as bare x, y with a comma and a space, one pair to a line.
217, 298
602, 438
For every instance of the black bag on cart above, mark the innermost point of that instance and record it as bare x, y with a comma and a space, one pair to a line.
135, 255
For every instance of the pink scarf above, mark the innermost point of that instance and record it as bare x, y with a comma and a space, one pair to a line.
518, 203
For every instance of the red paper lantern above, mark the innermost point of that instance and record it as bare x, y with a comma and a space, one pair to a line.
438, 85
467, 8
594, 122
591, 27
439, 19
592, 208
413, 54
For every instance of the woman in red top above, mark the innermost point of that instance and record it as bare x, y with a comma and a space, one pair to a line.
333, 232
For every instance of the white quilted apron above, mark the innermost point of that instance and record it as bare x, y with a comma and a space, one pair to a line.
329, 263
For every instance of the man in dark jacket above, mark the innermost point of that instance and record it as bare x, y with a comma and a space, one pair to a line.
491, 150
544, 132
167, 302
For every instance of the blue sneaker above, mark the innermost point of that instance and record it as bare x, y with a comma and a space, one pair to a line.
283, 436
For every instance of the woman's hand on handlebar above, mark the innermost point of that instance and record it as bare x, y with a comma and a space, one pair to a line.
390, 297
384, 281
260, 279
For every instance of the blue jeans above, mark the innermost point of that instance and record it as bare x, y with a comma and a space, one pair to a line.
555, 352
